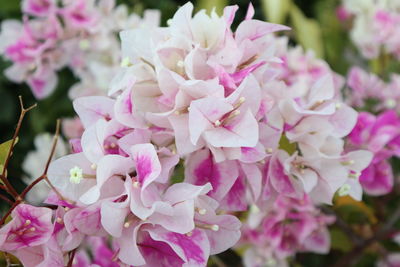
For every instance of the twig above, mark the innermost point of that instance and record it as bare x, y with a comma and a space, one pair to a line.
53, 147
355, 238
71, 258
6, 199
19, 198
4, 218
60, 196
3, 177
353, 256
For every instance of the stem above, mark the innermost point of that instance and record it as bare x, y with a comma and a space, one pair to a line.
355, 238
20, 198
353, 256
16, 203
71, 258
6, 199
53, 148
3, 177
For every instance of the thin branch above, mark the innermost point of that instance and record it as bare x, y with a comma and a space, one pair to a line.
353, 256
3, 177
6, 199
4, 218
53, 147
19, 198
354, 237
30, 186
71, 258
60, 196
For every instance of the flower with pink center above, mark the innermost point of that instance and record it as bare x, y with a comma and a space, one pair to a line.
287, 227
30, 226
380, 135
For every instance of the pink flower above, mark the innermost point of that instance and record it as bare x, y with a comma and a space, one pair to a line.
39, 8
30, 226
289, 226
380, 135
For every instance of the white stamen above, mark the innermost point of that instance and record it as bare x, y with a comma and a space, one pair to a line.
215, 227
349, 162
344, 190
180, 64
28, 222
217, 123
235, 113
202, 211
270, 150
136, 184
169, 22
93, 166
75, 175
338, 105
242, 99
59, 220
354, 175
189, 234
127, 224
254, 209
32, 229
126, 62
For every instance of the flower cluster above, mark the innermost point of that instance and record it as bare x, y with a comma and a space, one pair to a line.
286, 227
200, 122
367, 90
375, 26
380, 135
78, 34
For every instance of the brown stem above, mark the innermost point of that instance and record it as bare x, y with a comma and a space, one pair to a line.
354, 237
19, 198
71, 258
351, 258
53, 147
4, 218
3, 177
6, 199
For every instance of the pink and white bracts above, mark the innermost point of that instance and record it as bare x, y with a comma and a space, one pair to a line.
249, 127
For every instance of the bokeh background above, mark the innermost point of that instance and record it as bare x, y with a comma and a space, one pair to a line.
315, 26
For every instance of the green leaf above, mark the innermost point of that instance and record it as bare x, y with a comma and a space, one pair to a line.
4, 150
179, 174
285, 144
340, 241
353, 211
210, 4
276, 11
307, 31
